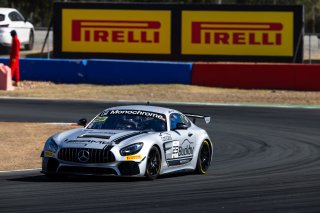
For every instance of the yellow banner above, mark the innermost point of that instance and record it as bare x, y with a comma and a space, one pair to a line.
240, 33
116, 31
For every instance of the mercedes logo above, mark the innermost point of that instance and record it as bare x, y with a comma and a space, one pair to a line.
83, 156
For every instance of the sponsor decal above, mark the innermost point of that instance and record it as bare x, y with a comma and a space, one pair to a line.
185, 149
133, 157
165, 137
175, 149
87, 141
116, 31
256, 33
91, 34
177, 153
100, 119
134, 112
48, 154
216, 37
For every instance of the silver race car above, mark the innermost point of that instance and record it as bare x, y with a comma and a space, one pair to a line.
133, 140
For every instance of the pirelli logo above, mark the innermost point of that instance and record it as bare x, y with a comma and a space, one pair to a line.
243, 33
116, 31
237, 33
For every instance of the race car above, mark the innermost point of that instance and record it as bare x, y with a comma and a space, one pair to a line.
137, 140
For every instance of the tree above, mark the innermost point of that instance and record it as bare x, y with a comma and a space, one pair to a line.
39, 12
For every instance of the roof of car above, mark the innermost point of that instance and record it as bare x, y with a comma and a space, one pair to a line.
149, 108
4, 10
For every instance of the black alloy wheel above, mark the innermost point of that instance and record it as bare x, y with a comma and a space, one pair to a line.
153, 163
204, 158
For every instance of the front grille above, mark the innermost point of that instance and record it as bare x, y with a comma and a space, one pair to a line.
92, 155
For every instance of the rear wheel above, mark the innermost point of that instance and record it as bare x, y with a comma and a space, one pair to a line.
153, 163
204, 158
29, 46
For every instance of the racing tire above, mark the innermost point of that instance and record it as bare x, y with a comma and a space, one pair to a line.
204, 158
153, 164
30, 44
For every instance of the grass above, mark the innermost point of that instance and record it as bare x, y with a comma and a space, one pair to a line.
152, 92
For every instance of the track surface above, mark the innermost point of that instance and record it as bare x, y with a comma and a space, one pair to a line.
265, 160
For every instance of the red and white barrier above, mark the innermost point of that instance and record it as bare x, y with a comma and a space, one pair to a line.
5, 78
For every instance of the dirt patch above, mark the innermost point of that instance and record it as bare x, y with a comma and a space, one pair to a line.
171, 92
21, 143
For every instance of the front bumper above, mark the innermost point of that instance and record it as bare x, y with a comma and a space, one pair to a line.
117, 168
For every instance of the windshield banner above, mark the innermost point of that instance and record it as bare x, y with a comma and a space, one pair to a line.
133, 112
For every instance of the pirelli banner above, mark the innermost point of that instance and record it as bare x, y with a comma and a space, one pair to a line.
178, 32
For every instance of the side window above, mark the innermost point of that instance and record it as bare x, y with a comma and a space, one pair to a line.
185, 120
20, 17
178, 118
14, 16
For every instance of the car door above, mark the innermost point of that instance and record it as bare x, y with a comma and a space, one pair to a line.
180, 148
19, 25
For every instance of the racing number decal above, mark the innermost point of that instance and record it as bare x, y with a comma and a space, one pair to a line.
178, 153
175, 149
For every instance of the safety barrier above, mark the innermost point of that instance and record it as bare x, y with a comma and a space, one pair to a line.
138, 72
56, 70
104, 71
115, 72
257, 76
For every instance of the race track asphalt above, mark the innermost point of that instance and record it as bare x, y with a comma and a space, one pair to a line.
265, 160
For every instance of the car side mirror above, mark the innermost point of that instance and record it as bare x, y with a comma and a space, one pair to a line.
82, 122
181, 126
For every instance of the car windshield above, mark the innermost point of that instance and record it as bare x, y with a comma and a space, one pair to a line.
135, 120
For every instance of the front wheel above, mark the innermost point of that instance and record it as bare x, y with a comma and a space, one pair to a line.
153, 163
204, 158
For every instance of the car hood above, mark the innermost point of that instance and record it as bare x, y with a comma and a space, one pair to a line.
90, 138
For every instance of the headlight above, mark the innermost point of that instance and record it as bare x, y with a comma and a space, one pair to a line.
51, 146
132, 149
